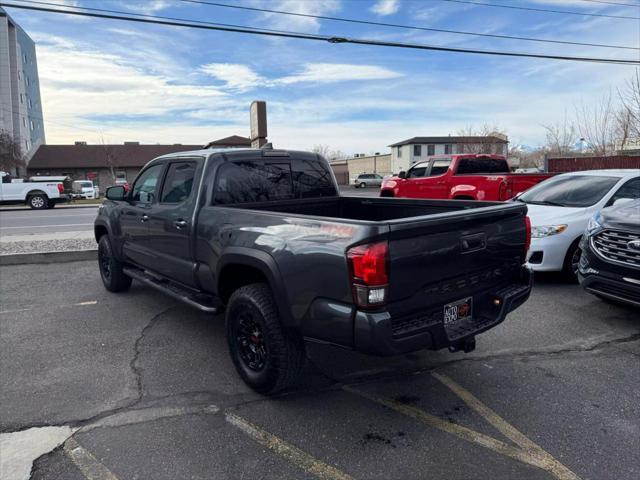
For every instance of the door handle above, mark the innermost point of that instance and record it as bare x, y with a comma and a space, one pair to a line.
180, 224
144, 218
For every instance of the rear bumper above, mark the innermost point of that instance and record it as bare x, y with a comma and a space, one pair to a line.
377, 333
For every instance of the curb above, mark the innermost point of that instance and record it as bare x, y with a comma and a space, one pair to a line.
58, 207
48, 257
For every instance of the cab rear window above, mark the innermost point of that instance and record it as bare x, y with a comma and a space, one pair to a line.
468, 166
249, 181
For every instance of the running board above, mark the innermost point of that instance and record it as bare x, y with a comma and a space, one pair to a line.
204, 303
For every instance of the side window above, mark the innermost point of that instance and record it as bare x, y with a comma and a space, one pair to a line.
448, 149
178, 183
417, 150
420, 170
252, 181
145, 186
631, 189
431, 150
439, 167
312, 178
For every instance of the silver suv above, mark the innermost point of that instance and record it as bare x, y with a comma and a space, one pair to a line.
368, 180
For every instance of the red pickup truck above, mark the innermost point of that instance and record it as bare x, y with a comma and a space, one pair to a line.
461, 177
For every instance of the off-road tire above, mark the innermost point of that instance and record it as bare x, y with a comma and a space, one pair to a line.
285, 351
38, 201
111, 272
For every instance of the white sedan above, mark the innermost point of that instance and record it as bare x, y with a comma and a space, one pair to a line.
560, 209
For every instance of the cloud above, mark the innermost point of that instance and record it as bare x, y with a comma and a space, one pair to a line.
297, 23
241, 78
385, 7
338, 72
149, 6
235, 76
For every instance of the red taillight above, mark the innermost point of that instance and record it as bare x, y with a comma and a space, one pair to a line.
527, 240
60, 188
369, 276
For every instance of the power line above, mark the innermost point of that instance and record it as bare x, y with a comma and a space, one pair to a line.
635, 5
408, 27
534, 9
158, 20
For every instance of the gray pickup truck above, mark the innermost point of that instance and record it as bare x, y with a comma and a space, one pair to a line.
266, 236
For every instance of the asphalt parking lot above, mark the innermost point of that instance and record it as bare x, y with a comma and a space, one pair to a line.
148, 388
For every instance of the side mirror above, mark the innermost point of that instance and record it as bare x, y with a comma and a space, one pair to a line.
622, 201
116, 193
402, 174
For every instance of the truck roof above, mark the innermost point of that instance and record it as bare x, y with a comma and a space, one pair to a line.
230, 150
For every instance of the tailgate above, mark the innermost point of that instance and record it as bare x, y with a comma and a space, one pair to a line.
450, 256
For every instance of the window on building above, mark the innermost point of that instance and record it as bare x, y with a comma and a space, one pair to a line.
21, 98
28, 81
121, 176
431, 149
400, 152
19, 76
448, 149
417, 150
24, 122
33, 125
30, 103
24, 57
178, 182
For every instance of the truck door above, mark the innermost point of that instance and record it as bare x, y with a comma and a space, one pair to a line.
437, 184
414, 182
171, 221
134, 217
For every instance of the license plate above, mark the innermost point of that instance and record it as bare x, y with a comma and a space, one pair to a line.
458, 311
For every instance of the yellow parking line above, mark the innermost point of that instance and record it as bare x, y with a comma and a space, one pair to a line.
296, 456
453, 428
91, 468
508, 430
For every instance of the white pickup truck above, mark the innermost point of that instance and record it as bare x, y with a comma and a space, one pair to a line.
38, 195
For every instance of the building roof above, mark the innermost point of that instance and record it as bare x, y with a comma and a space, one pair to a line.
449, 139
129, 154
232, 141
97, 156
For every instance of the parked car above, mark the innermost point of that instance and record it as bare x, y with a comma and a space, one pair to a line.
610, 262
461, 177
84, 189
367, 180
266, 235
37, 195
560, 209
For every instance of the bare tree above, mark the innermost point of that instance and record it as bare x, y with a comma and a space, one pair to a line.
598, 124
561, 137
326, 152
478, 141
629, 116
111, 158
10, 152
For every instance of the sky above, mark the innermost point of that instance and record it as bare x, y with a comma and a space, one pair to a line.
115, 81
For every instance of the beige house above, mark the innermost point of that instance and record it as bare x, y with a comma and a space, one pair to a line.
361, 163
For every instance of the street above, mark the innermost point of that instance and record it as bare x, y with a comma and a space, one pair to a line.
62, 220
42, 222
550, 393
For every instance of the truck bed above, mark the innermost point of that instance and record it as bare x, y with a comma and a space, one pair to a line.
365, 209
